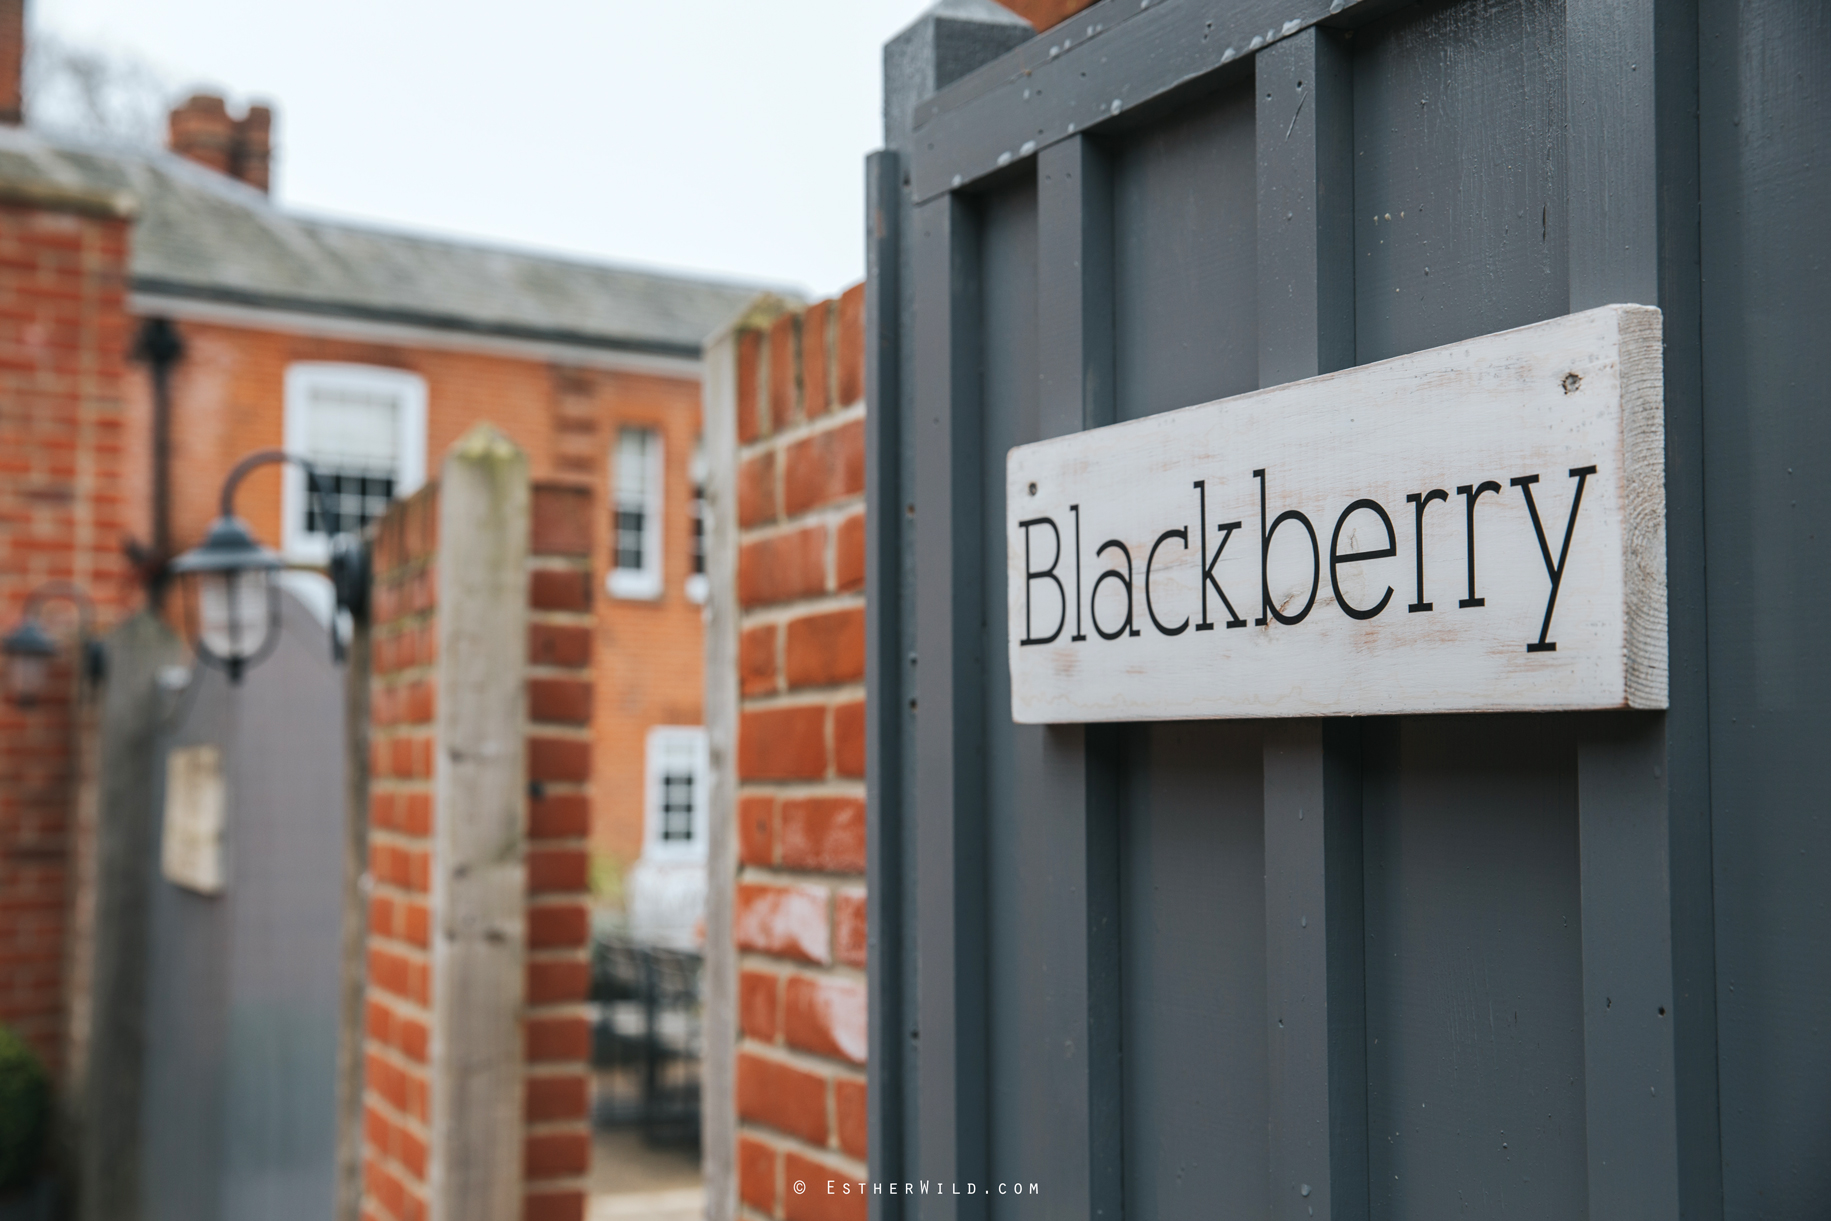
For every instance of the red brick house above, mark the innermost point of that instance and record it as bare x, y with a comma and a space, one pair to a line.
369, 350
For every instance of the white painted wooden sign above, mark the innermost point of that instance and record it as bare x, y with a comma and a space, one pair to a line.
1480, 527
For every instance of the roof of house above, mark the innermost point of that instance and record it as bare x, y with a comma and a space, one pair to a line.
204, 236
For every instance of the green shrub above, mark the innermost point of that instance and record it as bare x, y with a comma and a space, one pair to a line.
25, 1111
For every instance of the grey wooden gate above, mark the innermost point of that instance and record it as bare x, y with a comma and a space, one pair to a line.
238, 1109
1527, 966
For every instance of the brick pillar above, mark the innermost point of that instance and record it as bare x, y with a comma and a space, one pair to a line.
397, 1061
477, 1041
63, 459
799, 904
12, 62
560, 631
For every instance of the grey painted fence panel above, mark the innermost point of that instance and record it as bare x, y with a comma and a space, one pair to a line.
1506, 161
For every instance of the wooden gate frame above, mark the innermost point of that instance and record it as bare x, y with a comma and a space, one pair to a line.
1644, 801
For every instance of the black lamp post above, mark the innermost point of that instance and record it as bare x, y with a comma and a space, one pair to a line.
233, 579
29, 648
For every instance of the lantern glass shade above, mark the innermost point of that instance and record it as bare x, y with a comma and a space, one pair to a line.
25, 678
234, 612
236, 598
29, 651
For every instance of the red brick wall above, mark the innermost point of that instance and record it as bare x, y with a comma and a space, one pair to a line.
800, 905
561, 628
398, 1018
557, 1146
63, 335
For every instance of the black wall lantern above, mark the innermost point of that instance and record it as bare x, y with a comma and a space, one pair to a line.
29, 648
232, 586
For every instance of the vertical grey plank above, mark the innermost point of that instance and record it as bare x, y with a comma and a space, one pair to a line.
1315, 974
940, 46
1611, 159
884, 685
950, 907
1631, 98
1766, 174
188, 992
1687, 723
1075, 286
1315, 970
1627, 969
1305, 122
1185, 270
282, 902
110, 1173
1459, 193
1193, 861
355, 940
1473, 915
1061, 788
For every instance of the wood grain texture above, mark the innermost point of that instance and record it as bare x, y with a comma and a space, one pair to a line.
718, 1066
479, 952
1118, 625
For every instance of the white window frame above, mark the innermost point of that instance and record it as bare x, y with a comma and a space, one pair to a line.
697, 585
314, 547
645, 582
662, 741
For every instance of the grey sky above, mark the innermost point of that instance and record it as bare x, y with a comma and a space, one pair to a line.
717, 135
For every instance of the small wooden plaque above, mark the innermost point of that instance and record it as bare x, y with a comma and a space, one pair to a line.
191, 849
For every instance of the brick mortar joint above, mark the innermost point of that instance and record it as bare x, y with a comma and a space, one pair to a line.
831, 694
804, 697
782, 968
830, 512
788, 435
556, 1127
392, 1113
830, 1068
561, 618
799, 608
773, 875
789, 1142
798, 790
752, 963
791, 1057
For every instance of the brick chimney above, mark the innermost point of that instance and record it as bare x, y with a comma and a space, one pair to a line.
1045, 13
203, 131
12, 62
252, 153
